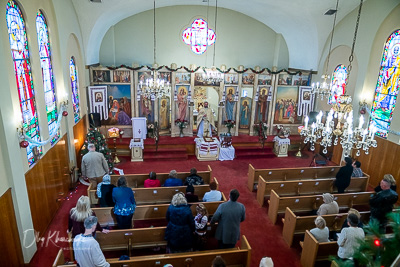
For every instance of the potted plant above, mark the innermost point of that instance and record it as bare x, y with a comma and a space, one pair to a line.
181, 124
229, 124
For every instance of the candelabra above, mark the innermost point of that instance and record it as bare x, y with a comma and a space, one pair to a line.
154, 88
322, 89
213, 75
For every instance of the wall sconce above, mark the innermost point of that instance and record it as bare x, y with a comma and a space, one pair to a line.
363, 106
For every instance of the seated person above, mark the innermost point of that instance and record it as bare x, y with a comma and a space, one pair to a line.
330, 206
349, 237
218, 262
152, 181
86, 249
190, 196
173, 180
390, 179
357, 172
104, 192
213, 195
321, 232
193, 178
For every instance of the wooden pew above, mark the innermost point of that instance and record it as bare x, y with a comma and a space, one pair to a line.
60, 260
285, 174
129, 239
293, 224
278, 204
306, 187
239, 257
106, 215
315, 251
137, 180
155, 195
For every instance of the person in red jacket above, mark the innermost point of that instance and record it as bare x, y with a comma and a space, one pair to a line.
152, 181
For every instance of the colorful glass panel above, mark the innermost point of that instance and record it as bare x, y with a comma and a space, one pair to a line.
338, 83
47, 74
74, 85
199, 36
387, 87
20, 53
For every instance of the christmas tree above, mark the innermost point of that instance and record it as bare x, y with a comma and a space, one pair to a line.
99, 140
377, 249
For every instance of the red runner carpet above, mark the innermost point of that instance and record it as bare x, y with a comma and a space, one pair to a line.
264, 237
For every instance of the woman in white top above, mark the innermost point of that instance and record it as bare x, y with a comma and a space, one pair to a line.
349, 237
213, 195
330, 206
321, 232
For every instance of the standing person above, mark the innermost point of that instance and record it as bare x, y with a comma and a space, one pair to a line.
330, 206
390, 179
124, 204
152, 181
382, 203
343, 176
200, 222
229, 215
205, 121
349, 237
79, 214
87, 249
94, 165
173, 179
180, 228
357, 172
193, 178
213, 195
104, 192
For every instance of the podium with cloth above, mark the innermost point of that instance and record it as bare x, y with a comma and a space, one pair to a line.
207, 149
281, 146
139, 130
226, 150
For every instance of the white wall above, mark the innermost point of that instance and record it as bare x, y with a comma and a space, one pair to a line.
241, 40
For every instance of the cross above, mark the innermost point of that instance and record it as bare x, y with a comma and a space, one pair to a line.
139, 131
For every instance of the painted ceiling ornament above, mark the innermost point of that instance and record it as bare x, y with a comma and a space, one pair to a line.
199, 36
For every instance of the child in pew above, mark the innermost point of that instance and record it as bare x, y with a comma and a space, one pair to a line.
152, 181
213, 195
330, 206
190, 196
104, 192
200, 222
321, 232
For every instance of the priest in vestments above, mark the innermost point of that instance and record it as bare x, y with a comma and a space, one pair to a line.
205, 121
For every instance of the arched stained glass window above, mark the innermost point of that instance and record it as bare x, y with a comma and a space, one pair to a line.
74, 85
338, 83
387, 86
20, 54
47, 74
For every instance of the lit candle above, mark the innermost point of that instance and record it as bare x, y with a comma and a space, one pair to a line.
373, 130
364, 134
306, 122
361, 122
313, 128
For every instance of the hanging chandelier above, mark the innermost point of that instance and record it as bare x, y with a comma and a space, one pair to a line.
323, 89
154, 88
341, 113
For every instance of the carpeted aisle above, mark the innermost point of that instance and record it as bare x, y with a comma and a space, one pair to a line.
264, 238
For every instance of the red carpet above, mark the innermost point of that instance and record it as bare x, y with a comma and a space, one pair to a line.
264, 238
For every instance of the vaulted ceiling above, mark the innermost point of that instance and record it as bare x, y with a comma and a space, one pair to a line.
303, 24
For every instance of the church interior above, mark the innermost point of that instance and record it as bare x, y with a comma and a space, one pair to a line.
233, 88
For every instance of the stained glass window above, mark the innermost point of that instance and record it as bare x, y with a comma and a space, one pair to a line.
20, 53
387, 86
338, 83
74, 85
199, 36
47, 74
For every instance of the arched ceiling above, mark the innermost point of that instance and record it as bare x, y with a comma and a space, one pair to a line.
301, 23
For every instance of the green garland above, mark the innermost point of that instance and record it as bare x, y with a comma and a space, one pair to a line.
196, 69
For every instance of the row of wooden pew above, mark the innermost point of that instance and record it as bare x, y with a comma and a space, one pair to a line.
299, 190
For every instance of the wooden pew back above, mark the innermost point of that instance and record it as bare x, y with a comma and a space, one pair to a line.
315, 251
106, 215
293, 224
137, 180
278, 204
155, 195
286, 174
306, 187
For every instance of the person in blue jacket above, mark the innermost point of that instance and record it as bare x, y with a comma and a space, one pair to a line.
125, 204
173, 179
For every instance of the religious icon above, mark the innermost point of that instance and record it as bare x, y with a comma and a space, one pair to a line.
182, 102
245, 112
98, 97
230, 104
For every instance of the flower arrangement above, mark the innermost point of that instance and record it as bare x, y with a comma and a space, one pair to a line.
181, 123
229, 124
